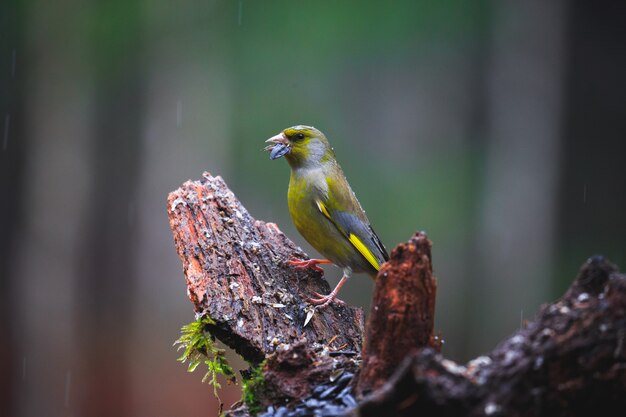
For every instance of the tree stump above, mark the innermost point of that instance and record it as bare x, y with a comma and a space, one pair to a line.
402, 314
236, 273
570, 361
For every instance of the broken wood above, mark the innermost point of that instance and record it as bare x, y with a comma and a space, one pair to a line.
402, 315
570, 361
236, 273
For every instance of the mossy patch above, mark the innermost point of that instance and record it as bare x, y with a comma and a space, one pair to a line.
252, 385
200, 348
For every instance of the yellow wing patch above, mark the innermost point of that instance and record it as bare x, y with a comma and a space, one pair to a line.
364, 251
356, 242
322, 208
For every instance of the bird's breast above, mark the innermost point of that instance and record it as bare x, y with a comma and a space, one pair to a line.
305, 188
317, 229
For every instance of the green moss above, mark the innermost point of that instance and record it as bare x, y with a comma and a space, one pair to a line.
200, 347
252, 384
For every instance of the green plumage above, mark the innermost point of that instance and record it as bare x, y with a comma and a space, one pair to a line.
322, 205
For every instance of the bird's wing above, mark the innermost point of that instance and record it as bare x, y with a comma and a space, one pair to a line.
345, 212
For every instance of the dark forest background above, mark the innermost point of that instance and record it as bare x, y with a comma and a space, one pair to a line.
499, 127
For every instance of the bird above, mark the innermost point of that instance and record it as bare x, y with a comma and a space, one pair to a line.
324, 208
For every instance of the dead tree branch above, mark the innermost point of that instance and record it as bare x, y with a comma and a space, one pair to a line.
570, 361
403, 312
236, 272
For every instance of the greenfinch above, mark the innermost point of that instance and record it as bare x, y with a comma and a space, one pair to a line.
324, 208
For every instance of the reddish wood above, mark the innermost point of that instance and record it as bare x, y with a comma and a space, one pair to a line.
402, 314
237, 272
571, 361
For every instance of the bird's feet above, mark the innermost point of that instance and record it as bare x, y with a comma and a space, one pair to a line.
311, 263
321, 301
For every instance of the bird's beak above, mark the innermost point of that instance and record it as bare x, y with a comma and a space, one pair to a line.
279, 146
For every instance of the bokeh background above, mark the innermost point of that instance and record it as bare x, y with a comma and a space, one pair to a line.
499, 127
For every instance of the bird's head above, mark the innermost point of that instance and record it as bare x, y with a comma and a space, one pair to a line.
301, 146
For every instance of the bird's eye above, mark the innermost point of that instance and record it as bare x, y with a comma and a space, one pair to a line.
300, 136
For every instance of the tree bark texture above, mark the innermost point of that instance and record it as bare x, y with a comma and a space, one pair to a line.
402, 313
236, 272
569, 361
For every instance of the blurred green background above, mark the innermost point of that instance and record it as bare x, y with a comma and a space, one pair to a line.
499, 127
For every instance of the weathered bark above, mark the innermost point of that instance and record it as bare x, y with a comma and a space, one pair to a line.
571, 361
236, 272
402, 314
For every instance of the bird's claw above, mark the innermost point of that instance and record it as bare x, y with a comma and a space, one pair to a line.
311, 263
322, 301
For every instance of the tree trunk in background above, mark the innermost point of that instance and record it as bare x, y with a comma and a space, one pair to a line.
595, 132
12, 150
56, 176
516, 232
108, 248
186, 131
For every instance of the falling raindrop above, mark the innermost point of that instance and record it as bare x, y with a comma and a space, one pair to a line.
68, 383
7, 120
24, 369
240, 12
585, 193
179, 113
